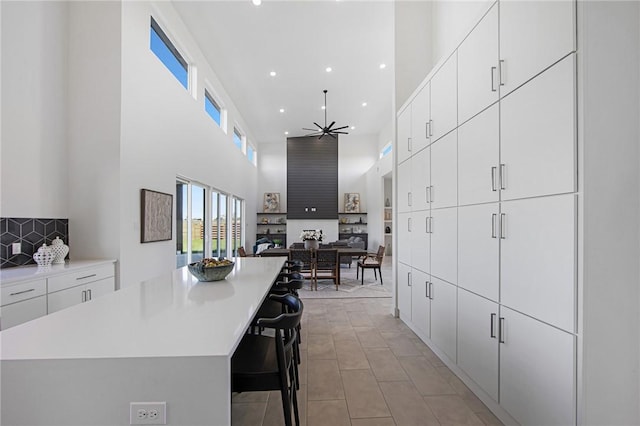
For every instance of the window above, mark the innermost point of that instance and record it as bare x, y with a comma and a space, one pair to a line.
251, 154
213, 108
237, 138
190, 222
218, 224
386, 150
168, 54
236, 225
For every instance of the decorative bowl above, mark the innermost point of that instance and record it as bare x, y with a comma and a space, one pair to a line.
210, 273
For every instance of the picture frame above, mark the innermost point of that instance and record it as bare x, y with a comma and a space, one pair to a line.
352, 202
156, 216
271, 202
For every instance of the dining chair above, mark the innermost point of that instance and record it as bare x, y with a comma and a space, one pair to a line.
326, 266
307, 257
371, 261
264, 363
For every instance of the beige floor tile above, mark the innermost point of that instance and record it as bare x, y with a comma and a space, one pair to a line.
364, 398
350, 355
425, 377
444, 371
370, 338
302, 368
327, 413
400, 344
473, 402
250, 397
407, 405
320, 346
386, 421
385, 365
385, 322
458, 385
451, 410
488, 418
274, 415
323, 380
359, 319
247, 413
345, 332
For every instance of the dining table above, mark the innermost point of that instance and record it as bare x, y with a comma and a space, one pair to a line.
342, 251
167, 339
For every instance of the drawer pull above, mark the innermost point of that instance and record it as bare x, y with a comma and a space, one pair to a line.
88, 276
22, 292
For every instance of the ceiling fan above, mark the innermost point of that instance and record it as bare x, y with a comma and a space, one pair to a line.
326, 130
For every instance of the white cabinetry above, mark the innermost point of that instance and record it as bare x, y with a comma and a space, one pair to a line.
420, 301
444, 316
444, 99
403, 141
420, 241
444, 244
444, 172
23, 302
404, 187
533, 36
421, 180
80, 286
478, 79
420, 117
478, 340
403, 283
404, 228
537, 371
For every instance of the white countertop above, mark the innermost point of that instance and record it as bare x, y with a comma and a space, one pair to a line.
33, 272
168, 316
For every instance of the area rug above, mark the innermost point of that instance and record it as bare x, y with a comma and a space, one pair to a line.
349, 287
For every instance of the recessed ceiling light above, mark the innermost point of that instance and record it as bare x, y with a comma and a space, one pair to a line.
328, 69
256, 2
383, 66
323, 107
286, 133
272, 73
281, 109
353, 127
364, 104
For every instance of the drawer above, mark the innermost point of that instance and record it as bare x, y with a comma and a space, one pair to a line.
17, 313
23, 291
84, 276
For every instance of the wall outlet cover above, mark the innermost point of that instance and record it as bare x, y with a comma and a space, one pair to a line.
148, 413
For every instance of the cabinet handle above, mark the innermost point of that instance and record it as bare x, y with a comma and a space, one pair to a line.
430, 290
494, 216
426, 225
431, 224
426, 130
493, 332
409, 279
84, 295
501, 72
409, 144
494, 169
426, 194
501, 330
503, 226
89, 294
503, 176
426, 289
409, 224
409, 199
430, 127
431, 193
493, 79
428, 189
87, 276
22, 292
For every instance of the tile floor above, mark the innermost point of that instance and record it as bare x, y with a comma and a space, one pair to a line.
362, 367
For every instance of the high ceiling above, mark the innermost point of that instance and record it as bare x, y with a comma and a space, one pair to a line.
299, 40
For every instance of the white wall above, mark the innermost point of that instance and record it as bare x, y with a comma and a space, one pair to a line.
356, 155
609, 46
34, 115
272, 169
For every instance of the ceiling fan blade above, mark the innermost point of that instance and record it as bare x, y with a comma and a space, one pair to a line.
322, 135
340, 128
319, 126
332, 135
341, 133
313, 130
331, 125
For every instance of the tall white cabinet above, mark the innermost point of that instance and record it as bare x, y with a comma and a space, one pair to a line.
487, 260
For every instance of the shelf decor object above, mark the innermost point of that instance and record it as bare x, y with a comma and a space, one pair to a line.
271, 202
44, 256
59, 249
156, 209
352, 202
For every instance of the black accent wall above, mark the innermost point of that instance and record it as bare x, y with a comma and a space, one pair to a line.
312, 178
31, 234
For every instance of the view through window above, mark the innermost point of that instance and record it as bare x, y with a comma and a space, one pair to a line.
168, 54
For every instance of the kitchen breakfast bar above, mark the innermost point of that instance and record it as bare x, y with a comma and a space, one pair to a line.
169, 338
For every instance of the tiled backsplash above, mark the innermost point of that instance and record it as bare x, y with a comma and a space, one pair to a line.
31, 234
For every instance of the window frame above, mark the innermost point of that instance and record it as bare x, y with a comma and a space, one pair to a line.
211, 96
242, 137
171, 46
386, 150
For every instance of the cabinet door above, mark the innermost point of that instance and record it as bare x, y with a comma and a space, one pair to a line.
526, 49
538, 259
444, 244
420, 179
26, 310
478, 340
478, 158
420, 241
420, 116
404, 237
444, 172
100, 288
404, 291
478, 80
420, 302
538, 134
404, 187
537, 371
478, 243
443, 316
65, 298
403, 141
444, 99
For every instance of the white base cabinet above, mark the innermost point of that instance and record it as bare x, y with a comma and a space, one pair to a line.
444, 314
83, 293
403, 285
420, 301
24, 311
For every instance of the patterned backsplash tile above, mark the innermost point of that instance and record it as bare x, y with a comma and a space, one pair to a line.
31, 234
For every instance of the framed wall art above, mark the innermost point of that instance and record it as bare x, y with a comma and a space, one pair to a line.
156, 216
352, 202
271, 202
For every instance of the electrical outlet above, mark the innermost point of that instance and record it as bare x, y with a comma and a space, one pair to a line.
16, 248
148, 413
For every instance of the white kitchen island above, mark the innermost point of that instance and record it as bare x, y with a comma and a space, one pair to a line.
169, 339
